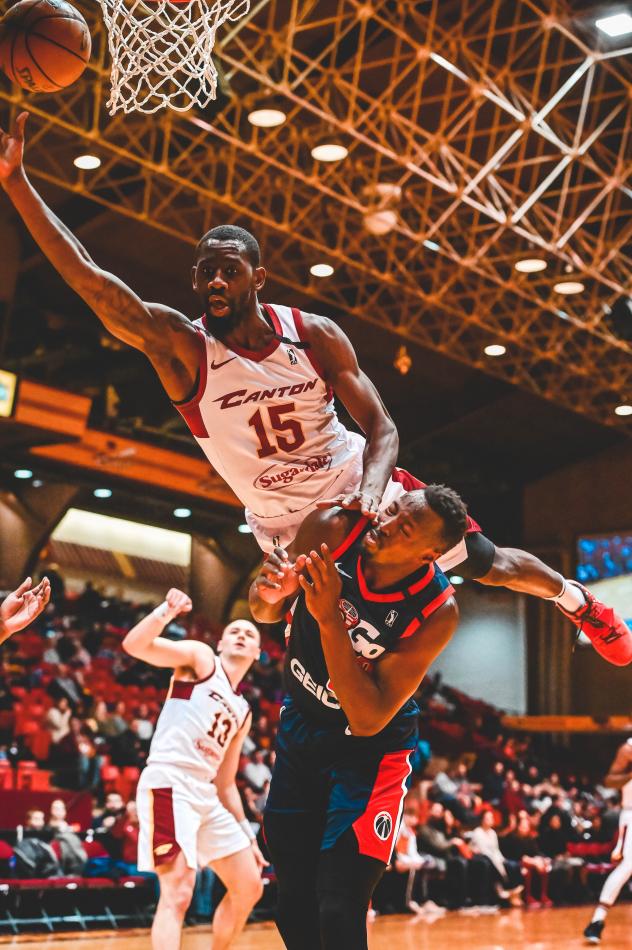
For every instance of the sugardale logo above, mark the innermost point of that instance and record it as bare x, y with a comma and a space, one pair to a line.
282, 474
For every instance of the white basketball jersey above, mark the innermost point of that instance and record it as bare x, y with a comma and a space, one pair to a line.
197, 722
266, 421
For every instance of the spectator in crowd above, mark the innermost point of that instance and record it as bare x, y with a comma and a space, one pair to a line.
34, 857
67, 684
75, 758
435, 841
144, 727
58, 721
72, 855
484, 841
494, 784
521, 847
257, 771
115, 723
103, 822
409, 865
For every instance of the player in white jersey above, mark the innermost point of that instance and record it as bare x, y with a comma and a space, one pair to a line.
255, 384
189, 808
619, 776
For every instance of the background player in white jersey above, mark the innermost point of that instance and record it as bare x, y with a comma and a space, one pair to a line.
619, 776
255, 384
189, 808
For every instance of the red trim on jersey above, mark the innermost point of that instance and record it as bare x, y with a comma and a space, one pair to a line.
376, 829
414, 624
411, 483
425, 580
351, 537
309, 353
182, 689
369, 595
190, 410
163, 838
439, 599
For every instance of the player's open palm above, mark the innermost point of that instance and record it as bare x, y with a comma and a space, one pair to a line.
278, 577
322, 586
12, 147
22, 606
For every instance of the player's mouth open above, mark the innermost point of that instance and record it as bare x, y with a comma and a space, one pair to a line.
218, 304
373, 538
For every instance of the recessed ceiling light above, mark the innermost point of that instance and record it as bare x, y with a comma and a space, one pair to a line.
37, 483
182, 512
456, 579
624, 410
321, 270
568, 287
23, 473
617, 25
244, 529
431, 245
530, 265
266, 118
329, 152
380, 222
102, 493
495, 349
87, 162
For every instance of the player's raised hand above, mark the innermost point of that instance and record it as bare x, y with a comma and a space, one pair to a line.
178, 602
277, 578
12, 147
22, 606
322, 586
365, 502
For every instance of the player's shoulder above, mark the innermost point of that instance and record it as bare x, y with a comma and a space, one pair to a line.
332, 526
321, 331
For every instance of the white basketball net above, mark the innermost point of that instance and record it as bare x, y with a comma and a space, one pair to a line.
161, 51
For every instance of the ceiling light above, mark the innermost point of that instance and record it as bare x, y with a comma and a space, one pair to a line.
623, 410
37, 483
87, 162
431, 245
617, 25
321, 270
456, 579
495, 349
568, 287
380, 222
402, 361
23, 473
244, 529
329, 152
530, 265
266, 118
182, 512
102, 493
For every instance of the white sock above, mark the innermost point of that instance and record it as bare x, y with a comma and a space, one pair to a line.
571, 597
600, 914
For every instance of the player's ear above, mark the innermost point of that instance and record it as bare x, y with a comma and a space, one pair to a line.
260, 277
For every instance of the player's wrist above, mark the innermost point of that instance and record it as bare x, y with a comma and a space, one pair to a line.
164, 613
244, 824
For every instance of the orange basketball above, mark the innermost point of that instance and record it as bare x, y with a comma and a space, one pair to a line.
44, 44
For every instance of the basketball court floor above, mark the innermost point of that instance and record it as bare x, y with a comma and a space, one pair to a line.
558, 929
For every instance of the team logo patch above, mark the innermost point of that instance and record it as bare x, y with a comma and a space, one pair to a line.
383, 825
391, 617
282, 474
349, 613
163, 849
292, 356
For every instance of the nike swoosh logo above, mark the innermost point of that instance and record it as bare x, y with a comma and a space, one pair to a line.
215, 365
340, 571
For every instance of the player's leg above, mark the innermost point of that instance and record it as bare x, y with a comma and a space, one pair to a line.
241, 877
294, 844
615, 881
523, 572
177, 881
345, 884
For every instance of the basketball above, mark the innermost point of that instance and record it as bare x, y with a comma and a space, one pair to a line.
44, 44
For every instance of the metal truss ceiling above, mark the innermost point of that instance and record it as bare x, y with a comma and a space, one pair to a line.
506, 126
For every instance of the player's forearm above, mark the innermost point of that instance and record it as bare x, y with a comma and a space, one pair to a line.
4, 633
261, 610
617, 779
379, 457
359, 694
229, 797
141, 637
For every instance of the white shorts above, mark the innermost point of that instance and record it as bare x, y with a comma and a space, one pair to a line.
179, 812
281, 531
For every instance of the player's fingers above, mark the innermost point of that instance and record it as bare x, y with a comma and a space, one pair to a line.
312, 572
304, 583
20, 122
328, 560
265, 582
281, 554
329, 502
299, 564
24, 586
318, 564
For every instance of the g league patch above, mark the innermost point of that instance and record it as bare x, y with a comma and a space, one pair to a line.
383, 825
391, 617
292, 356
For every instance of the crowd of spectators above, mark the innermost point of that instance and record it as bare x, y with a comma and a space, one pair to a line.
487, 822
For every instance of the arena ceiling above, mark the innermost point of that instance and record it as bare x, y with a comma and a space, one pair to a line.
501, 130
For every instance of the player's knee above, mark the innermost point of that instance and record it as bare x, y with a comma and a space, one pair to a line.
334, 909
251, 889
176, 895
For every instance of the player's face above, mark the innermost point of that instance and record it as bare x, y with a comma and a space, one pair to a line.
409, 532
227, 285
240, 639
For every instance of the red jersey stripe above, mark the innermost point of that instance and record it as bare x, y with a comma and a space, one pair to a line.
440, 599
300, 329
351, 537
424, 580
370, 595
190, 410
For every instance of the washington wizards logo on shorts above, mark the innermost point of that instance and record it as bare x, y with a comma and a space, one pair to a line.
349, 613
383, 825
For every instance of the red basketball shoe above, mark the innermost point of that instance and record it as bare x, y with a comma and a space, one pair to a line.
608, 633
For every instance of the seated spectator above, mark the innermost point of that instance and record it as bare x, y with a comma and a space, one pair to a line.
75, 758
521, 846
115, 723
435, 840
34, 857
257, 771
125, 830
494, 784
72, 855
57, 720
144, 727
409, 863
67, 684
484, 841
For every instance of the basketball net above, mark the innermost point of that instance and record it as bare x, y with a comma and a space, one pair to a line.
161, 51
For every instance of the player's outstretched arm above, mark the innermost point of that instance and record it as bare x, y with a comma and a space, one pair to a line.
621, 769
226, 785
22, 606
369, 701
335, 354
165, 336
144, 641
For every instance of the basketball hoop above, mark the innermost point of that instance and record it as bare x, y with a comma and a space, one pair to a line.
161, 51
